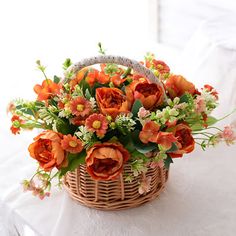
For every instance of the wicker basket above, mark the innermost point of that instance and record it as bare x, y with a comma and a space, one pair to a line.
113, 195
116, 194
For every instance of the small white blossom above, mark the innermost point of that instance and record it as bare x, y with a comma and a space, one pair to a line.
84, 135
93, 103
125, 121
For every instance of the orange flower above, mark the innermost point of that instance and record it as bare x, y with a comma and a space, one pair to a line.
71, 144
103, 78
117, 80
149, 132
77, 121
79, 76
97, 123
105, 161
112, 101
212, 90
47, 89
185, 141
16, 124
80, 107
160, 66
92, 76
47, 150
177, 85
150, 94
165, 139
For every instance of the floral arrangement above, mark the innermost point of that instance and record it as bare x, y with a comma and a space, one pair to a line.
107, 117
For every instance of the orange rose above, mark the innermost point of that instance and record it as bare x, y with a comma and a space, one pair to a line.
150, 94
105, 161
47, 150
177, 85
112, 101
185, 141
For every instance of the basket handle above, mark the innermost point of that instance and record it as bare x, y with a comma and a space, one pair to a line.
136, 66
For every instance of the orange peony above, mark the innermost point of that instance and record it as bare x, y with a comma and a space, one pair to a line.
177, 85
105, 161
47, 150
112, 101
185, 141
150, 94
47, 89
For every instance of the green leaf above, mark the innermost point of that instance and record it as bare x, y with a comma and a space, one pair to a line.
185, 98
74, 161
127, 142
135, 108
211, 120
67, 63
56, 79
136, 154
167, 162
126, 73
87, 94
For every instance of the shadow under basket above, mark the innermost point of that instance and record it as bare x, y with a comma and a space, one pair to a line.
113, 194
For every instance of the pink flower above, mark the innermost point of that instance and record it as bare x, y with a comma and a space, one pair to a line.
145, 185
97, 123
142, 113
200, 105
228, 135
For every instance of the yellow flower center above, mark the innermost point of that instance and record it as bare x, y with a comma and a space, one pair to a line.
72, 143
80, 107
96, 124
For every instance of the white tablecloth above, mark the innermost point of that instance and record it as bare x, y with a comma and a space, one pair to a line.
199, 199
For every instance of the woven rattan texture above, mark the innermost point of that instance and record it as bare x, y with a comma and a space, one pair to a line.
113, 195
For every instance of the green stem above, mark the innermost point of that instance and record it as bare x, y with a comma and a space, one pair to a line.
227, 115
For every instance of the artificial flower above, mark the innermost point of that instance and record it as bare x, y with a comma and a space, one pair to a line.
177, 85
150, 94
47, 150
112, 101
16, 124
185, 141
47, 89
228, 135
80, 107
158, 65
145, 185
105, 161
165, 139
71, 144
97, 123
210, 89
149, 132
